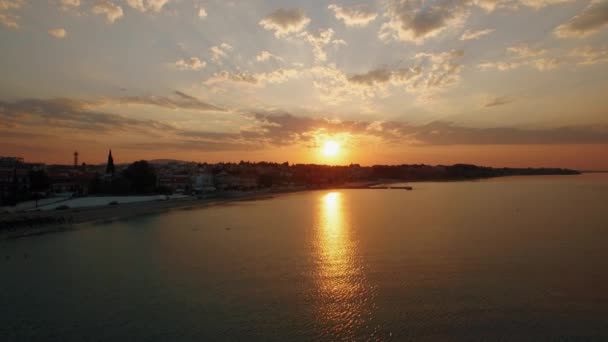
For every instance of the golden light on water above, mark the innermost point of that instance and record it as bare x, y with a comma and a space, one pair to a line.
345, 296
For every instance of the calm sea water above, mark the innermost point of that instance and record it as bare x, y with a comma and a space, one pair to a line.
506, 259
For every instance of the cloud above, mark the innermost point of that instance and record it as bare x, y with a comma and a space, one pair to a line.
417, 20
372, 77
445, 133
70, 3
202, 13
71, 114
286, 129
220, 52
266, 55
498, 101
147, 5
593, 18
318, 42
236, 77
525, 51
428, 74
524, 55
473, 35
588, 55
112, 11
280, 75
354, 16
537, 4
7, 17
544, 64
285, 21
491, 5
443, 70
179, 100
192, 63
277, 76
58, 33
273, 128
502, 66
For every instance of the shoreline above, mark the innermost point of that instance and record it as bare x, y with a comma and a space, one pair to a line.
31, 223
72, 219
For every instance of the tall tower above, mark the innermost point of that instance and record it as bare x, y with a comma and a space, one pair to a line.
75, 158
110, 165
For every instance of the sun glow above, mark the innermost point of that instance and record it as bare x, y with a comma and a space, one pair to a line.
331, 148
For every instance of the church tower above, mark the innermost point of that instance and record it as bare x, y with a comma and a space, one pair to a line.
110, 165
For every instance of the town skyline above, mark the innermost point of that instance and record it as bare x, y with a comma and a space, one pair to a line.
97, 163
513, 83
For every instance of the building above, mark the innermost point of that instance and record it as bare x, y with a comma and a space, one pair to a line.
203, 182
175, 183
68, 180
14, 180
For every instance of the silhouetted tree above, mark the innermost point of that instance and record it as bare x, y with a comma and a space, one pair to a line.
142, 176
95, 185
39, 180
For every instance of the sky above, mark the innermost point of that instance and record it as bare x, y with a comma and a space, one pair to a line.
490, 82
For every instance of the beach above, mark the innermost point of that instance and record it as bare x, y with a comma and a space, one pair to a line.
28, 223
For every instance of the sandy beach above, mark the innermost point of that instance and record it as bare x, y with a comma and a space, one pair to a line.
28, 223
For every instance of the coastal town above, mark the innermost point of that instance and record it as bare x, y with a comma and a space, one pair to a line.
36, 186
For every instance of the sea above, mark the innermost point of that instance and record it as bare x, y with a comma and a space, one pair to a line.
504, 259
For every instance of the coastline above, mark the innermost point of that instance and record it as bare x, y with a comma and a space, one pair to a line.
31, 223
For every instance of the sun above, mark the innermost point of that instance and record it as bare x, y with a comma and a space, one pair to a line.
331, 148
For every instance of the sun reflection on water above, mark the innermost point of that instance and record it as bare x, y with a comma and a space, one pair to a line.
344, 295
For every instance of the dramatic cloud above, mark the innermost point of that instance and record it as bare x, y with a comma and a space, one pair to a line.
498, 101
7, 17
473, 35
285, 129
590, 55
72, 114
429, 73
266, 55
443, 133
270, 128
220, 52
111, 11
179, 100
285, 21
147, 5
360, 15
417, 20
192, 63
593, 18
58, 33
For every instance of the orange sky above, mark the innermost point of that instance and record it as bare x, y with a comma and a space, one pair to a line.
499, 83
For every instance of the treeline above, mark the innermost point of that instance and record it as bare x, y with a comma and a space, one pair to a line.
138, 178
